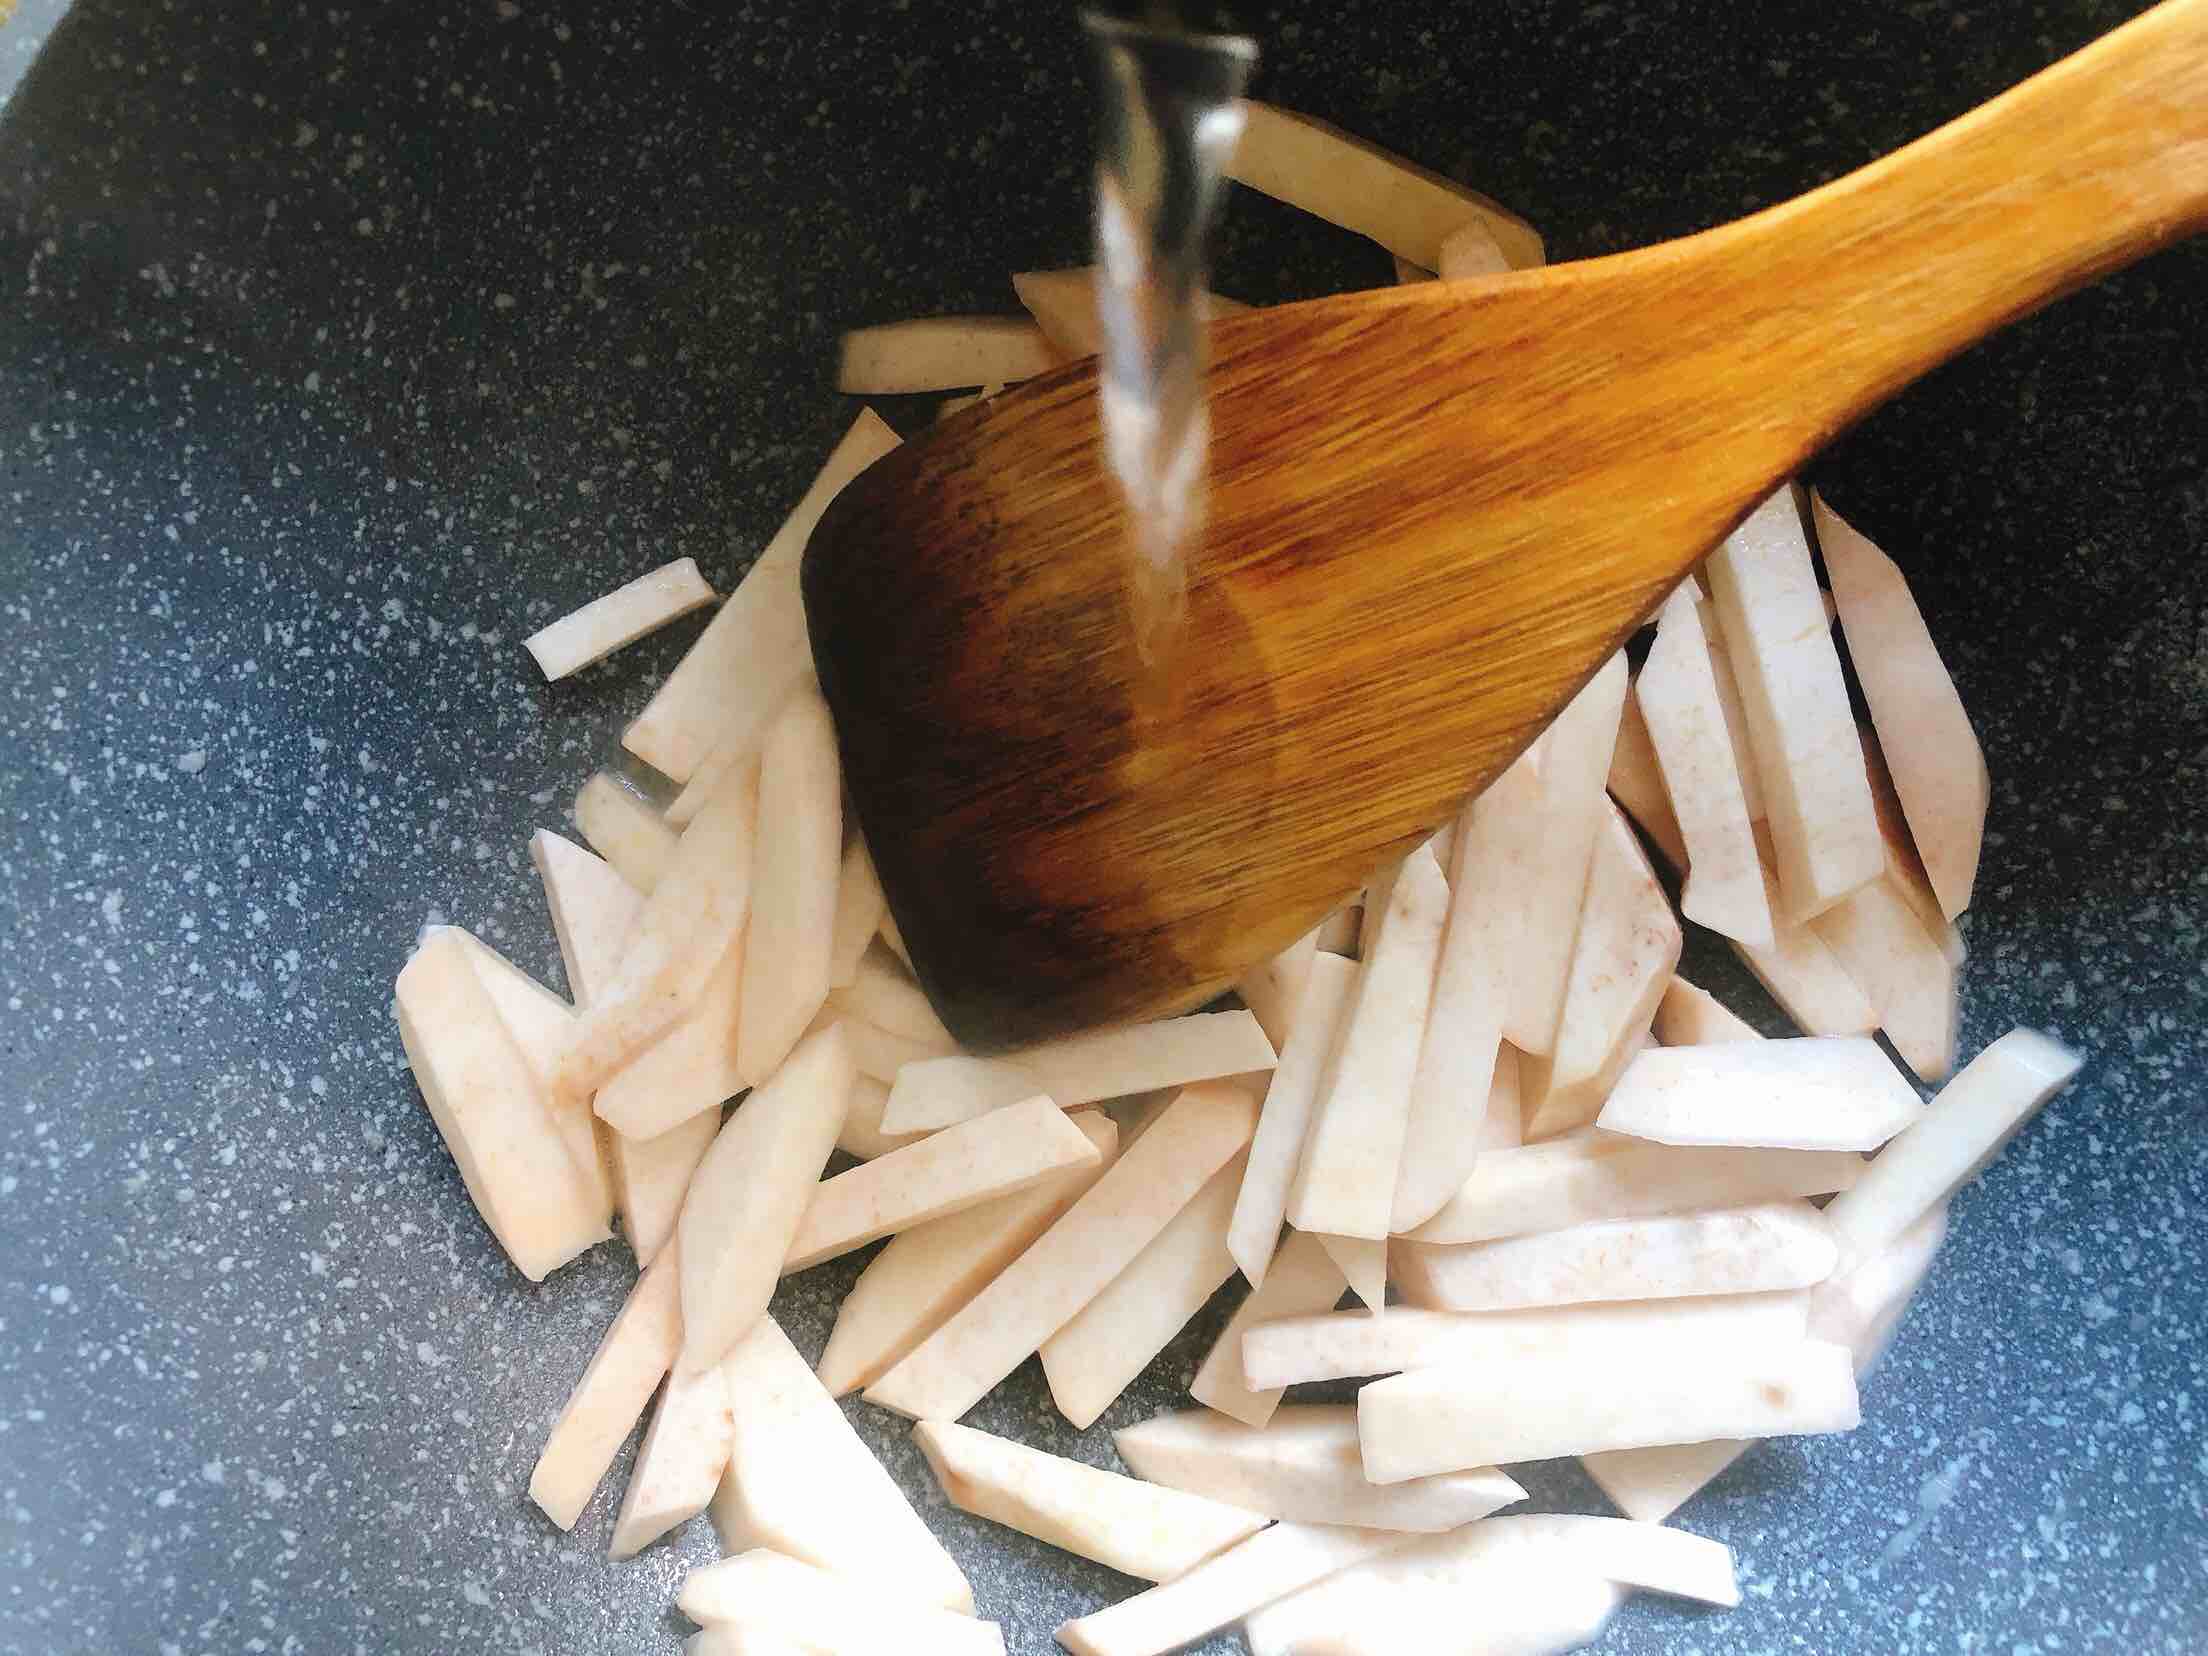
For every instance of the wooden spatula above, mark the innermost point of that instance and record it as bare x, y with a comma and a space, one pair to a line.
1435, 511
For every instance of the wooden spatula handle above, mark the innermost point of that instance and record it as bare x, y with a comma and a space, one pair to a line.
2075, 173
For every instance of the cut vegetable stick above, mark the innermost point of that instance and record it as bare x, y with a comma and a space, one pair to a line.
1553, 1111
1063, 304
1973, 1116
1361, 187
861, 1135
1643, 1556
912, 1287
933, 1093
632, 1357
1503, 1126
1269, 1565
622, 616
1484, 1562
745, 736
793, 907
1136, 1114
625, 830
1677, 691
859, 910
883, 993
1273, 990
1439, 1419
1861, 1308
541, 1025
1345, 1184
1938, 767
1010, 1150
754, 651
652, 1176
1577, 1181
941, 353
1338, 932
1348, 1344
1805, 978
1904, 868
492, 1110
1858, 1310
1173, 1052
1692, 1016
768, 1593
1445, 1129
1303, 1467
592, 911
1628, 943
1745, 1250
1636, 782
1903, 970
894, 938
1808, 1093
801, 1481
1508, 1599
1091, 1067
1303, 1280
1816, 797
1736, 719
1576, 756
750, 1192
1363, 1263
1140, 1529
1374, 908
884, 1056
1112, 1339
1274, 1153
684, 1452
1087, 1068
1651, 1484
1444, 845
1471, 250
1073, 1261
690, 1068
688, 922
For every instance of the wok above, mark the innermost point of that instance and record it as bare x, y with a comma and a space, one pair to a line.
340, 347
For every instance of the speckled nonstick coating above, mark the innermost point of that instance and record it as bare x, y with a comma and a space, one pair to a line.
340, 347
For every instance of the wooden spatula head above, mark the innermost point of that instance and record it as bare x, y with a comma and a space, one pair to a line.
1435, 511
1408, 569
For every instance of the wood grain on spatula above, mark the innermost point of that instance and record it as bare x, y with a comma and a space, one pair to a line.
1435, 510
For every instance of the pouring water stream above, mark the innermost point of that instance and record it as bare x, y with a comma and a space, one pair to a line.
1171, 116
